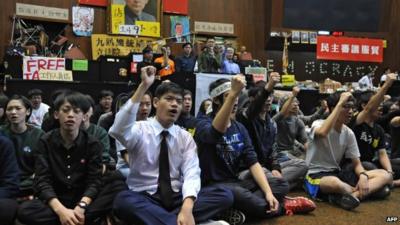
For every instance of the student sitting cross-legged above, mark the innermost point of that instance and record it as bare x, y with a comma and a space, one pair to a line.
68, 170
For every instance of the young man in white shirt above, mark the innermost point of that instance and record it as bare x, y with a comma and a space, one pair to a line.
164, 184
39, 109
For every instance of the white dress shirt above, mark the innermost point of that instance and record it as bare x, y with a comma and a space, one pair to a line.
143, 141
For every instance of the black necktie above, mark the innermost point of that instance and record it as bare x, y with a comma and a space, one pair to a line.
164, 179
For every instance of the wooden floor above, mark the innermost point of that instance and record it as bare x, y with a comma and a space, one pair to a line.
368, 213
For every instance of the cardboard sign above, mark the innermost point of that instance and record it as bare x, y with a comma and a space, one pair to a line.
288, 80
56, 75
79, 65
349, 49
39, 11
32, 66
119, 45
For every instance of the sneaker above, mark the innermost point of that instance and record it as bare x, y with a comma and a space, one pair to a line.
233, 217
298, 205
345, 201
381, 193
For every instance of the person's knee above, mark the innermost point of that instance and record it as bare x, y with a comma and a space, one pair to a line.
24, 214
8, 210
226, 196
383, 174
335, 185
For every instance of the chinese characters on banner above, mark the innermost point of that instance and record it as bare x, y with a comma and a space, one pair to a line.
349, 49
118, 45
220, 28
33, 65
38, 11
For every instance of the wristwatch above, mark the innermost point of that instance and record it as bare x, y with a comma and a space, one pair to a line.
82, 205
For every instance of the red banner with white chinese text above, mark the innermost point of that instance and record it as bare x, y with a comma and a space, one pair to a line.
349, 49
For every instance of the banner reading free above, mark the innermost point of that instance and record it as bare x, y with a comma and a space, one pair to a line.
349, 49
32, 66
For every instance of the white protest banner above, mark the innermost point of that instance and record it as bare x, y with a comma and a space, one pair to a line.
32, 66
203, 80
39, 11
56, 75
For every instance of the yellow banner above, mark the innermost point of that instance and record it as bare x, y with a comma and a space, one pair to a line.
103, 44
288, 80
117, 17
149, 29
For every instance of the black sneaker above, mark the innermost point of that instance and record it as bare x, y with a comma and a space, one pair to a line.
345, 201
381, 193
233, 216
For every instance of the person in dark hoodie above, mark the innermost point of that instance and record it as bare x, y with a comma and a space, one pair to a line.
9, 181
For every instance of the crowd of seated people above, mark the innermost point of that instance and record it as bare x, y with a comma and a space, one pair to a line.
148, 160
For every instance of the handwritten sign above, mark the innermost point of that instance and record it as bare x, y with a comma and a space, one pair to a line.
129, 29
41, 12
207, 27
149, 29
32, 66
119, 45
116, 17
288, 80
56, 75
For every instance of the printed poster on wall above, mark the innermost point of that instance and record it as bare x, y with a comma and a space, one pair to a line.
180, 29
124, 16
82, 21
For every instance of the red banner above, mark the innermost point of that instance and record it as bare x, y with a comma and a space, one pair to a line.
94, 2
349, 49
176, 6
